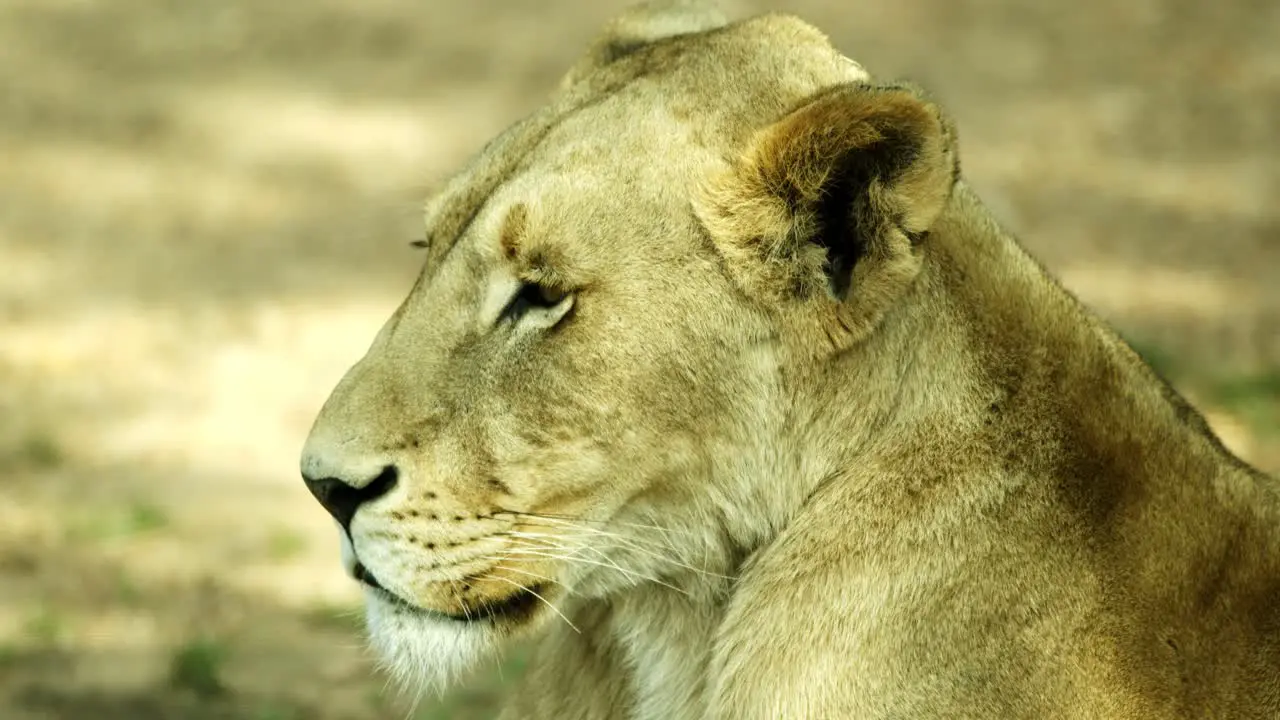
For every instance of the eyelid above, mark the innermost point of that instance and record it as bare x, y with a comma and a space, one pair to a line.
548, 293
532, 295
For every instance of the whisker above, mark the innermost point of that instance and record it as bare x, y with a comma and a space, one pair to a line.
653, 551
575, 520
544, 601
663, 583
642, 541
520, 513
538, 552
466, 613
499, 566
542, 545
610, 564
591, 548
665, 544
566, 548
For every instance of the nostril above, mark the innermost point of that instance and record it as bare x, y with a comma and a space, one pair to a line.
380, 485
342, 499
339, 498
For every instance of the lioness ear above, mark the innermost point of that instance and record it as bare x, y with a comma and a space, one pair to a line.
824, 212
644, 24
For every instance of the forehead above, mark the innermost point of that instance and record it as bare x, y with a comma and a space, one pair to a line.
631, 138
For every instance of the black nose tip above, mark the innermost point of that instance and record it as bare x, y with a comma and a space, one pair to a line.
342, 499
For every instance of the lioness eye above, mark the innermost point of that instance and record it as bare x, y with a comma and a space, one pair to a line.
533, 295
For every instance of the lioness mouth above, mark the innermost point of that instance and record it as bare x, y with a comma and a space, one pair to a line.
517, 606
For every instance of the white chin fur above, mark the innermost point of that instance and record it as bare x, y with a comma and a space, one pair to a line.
425, 653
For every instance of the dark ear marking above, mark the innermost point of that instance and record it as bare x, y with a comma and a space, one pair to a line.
846, 215
838, 232
829, 204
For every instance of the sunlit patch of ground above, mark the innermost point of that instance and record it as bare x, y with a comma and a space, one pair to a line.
204, 208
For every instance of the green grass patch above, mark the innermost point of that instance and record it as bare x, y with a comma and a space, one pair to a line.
275, 711
37, 450
285, 544
1263, 387
340, 618
128, 593
197, 667
1253, 398
115, 523
45, 627
1162, 361
144, 518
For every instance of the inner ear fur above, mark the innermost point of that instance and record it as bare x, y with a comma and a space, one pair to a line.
824, 212
641, 25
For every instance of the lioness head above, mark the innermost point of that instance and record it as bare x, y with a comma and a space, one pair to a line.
604, 368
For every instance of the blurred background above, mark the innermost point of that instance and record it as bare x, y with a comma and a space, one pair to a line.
204, 214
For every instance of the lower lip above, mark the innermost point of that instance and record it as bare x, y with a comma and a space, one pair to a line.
514, 608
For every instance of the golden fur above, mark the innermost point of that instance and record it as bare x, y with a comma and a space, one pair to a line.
718, 355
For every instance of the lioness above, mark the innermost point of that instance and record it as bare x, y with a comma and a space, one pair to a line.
721, 383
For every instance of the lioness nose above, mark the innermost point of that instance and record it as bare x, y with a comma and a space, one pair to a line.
342, 499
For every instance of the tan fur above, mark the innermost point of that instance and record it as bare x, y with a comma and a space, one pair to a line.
792, 428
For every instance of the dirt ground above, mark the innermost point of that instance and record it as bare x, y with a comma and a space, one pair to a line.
204, 210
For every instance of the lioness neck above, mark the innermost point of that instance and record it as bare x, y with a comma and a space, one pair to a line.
991, 363
985, 334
